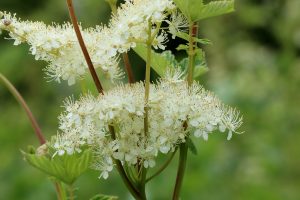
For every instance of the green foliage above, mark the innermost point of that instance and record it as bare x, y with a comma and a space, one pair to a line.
104, 197
186, 37
66, 168
196, 10
200, 67
256, 70
160, 61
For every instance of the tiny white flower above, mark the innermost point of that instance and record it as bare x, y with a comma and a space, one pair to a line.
178, 23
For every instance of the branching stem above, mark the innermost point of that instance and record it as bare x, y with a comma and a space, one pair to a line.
120, 168
162, 168
193, 31
122, 172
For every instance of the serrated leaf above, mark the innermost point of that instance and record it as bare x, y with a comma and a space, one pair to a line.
212, 9
196, 10
192, 146
183, 35
200, 64
159, 61
104, 197
185, 6
202, 41
182, 47
66, 168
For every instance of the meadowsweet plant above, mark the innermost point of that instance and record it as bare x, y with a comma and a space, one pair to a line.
126, 127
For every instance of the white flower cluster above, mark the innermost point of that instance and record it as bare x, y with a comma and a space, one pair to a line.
58, 45
171, 105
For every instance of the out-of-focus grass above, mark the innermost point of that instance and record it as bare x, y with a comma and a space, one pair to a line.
254, 65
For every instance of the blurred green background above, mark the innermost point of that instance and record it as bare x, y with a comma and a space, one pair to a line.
254, 65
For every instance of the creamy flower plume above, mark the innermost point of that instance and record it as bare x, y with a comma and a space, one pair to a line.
57, 44
85, 122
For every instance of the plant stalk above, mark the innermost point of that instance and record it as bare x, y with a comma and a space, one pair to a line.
128, 68
181, 170
142, 171
83, 46
193, 31
61, 195
163, 167
71, 193
120, 168
24, 105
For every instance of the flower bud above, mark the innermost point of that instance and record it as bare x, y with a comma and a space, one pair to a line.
42, 150
6, 22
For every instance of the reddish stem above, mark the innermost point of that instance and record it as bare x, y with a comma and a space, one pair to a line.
22, 102
83, 47
128, 68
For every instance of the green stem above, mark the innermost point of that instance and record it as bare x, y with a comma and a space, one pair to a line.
193, 30
163, 167
142, 172
71, 192
24, 105
181, 169
60, 191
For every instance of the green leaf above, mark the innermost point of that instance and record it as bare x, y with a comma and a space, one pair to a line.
196, 10
160, 61
186, 37
182, 47
202, 41
104, 197
66, 168
212, 9
192, 146
183, 35
200, 64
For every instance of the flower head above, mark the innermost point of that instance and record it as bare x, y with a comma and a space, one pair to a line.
58, 45
171, 104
